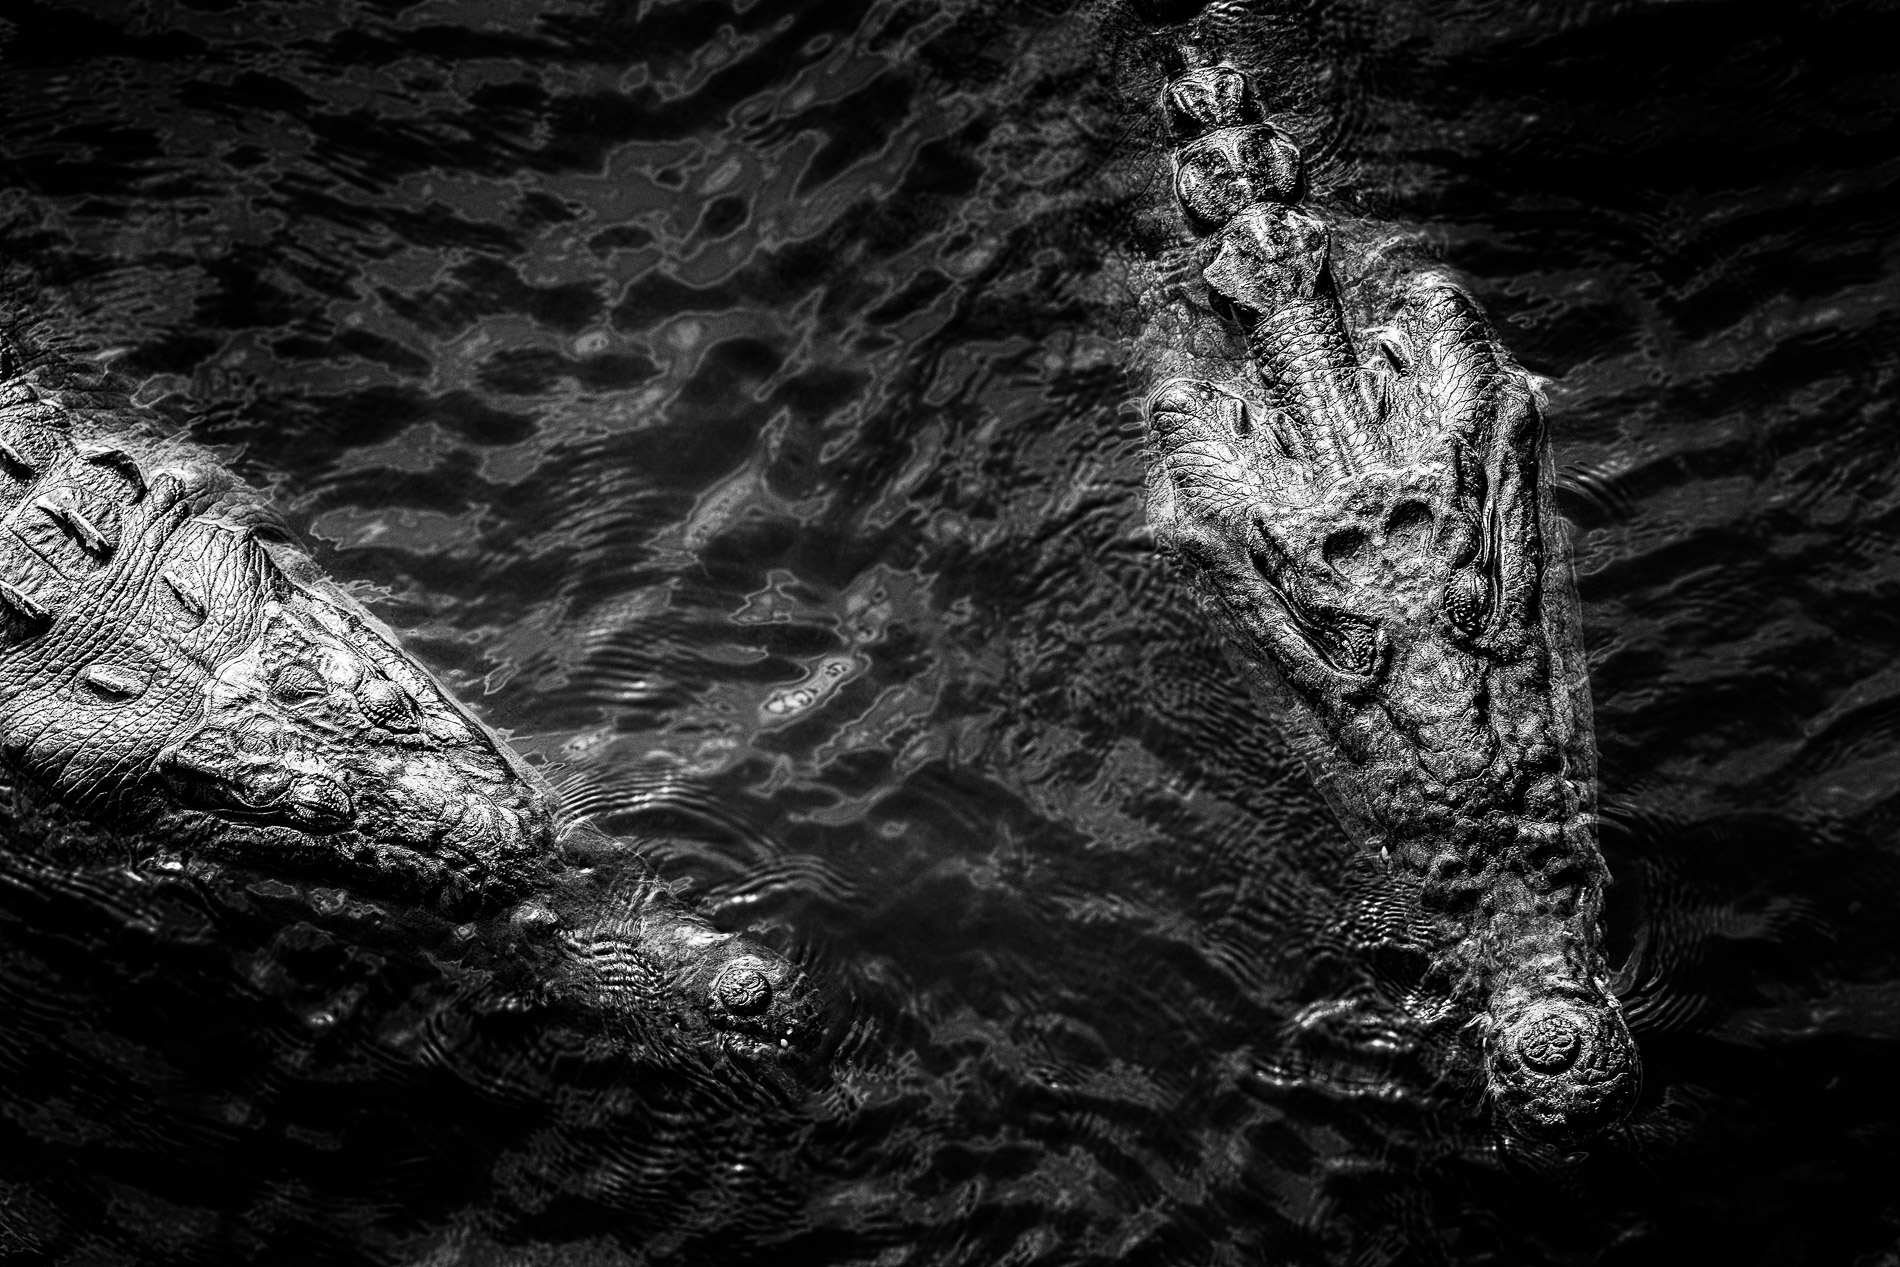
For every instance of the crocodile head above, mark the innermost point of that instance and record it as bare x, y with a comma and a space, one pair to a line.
168, 678
1398, 598
159, 666
1368, 519
318, 725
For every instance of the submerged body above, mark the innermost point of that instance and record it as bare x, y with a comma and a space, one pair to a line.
174, 686
1371, 523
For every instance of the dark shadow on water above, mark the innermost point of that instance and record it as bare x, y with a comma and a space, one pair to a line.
726, 400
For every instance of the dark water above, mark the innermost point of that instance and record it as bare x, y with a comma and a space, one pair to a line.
726, 399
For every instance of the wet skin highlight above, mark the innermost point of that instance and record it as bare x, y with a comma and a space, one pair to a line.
1369, 520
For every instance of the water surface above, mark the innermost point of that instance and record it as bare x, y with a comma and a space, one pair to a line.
726, 399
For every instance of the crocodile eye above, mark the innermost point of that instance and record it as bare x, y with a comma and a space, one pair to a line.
298, 682
1356, 646
1468, 602
318, 805
258, 740
385, 704
1348, 643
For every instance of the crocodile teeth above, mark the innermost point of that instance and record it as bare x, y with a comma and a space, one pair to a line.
22, 604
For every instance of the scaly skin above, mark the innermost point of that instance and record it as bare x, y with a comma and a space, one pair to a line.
1378, 541
172, 684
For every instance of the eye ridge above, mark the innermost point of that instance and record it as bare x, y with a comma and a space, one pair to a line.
1346, 642
1470, 599
1349, 643
297, 683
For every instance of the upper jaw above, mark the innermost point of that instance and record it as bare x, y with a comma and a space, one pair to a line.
1368, 514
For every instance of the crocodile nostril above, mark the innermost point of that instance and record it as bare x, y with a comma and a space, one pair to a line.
1550, 1043
1564, 1068
743, 989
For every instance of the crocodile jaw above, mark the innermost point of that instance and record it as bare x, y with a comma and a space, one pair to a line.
1368, 518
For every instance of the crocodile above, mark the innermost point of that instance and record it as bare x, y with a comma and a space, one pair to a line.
1367, 517
180, 684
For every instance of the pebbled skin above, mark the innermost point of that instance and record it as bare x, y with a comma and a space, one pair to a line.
172, 683
1369, 521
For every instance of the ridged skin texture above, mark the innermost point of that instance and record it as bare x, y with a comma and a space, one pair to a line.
1374, 533
171, 683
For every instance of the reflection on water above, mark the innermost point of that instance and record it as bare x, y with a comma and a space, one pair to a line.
726, 399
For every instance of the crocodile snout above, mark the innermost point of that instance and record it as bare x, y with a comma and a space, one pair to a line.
1562, 1068
634, 950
